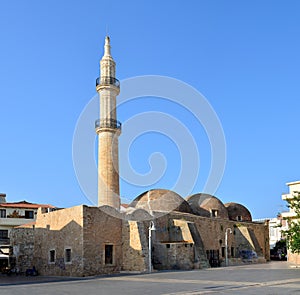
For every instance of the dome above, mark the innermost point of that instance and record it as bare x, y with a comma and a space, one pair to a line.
238, 212
161, 200
207, 206
137, 214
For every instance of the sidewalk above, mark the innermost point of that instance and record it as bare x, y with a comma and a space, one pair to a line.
22, 279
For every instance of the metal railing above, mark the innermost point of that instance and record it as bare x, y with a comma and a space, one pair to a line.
108, 123
106, 81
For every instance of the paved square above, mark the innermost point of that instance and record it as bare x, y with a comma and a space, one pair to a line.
271, 278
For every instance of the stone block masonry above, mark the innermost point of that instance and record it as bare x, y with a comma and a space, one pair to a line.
85, 241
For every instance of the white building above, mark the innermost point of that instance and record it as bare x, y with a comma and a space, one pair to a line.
15, 214
276, 226
12, 215
294, 187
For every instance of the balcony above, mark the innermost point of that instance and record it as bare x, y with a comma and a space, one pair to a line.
107, 81
286, 196
108, 123
14, 221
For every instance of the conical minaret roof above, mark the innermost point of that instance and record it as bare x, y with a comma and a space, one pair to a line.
107, 46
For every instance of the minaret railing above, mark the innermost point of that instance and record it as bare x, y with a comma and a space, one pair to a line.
106, 81
108, 123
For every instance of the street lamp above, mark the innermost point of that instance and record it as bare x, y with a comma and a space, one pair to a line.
226, 245
151, 228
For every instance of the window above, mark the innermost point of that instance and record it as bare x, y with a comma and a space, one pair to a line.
109, 254
3, 234
29, 214
68, 255
214, 213
52, 256
2, 213
239, 218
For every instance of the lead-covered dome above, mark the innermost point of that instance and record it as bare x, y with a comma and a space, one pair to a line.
238, 212
161, 200
207, 206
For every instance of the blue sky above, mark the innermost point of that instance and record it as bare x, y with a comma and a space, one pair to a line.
243, 56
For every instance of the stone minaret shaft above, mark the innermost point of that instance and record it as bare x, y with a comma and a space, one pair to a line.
108, 130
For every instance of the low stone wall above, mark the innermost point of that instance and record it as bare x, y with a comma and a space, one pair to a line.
22, 241
293, 258
173, 256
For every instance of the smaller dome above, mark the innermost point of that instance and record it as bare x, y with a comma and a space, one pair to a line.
207, 206
238, 212
161, 200
137, 214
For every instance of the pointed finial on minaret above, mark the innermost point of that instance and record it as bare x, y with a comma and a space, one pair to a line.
107, 46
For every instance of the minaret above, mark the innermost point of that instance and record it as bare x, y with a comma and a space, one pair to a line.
108, 130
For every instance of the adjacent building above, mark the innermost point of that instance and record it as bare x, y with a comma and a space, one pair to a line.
12, 215
277, 225
294, 187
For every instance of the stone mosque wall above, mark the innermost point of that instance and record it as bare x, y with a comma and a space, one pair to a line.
91, 240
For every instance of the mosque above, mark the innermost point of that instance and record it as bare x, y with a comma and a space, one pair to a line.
159, 230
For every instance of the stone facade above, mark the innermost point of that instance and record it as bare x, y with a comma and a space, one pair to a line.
174, 256
78, 231
135, 246
23, 250
180, 241
208, 234
101, 227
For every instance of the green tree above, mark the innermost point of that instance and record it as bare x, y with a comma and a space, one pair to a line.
293, 233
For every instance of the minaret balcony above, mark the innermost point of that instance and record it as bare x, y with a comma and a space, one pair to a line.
107, 123
107, 81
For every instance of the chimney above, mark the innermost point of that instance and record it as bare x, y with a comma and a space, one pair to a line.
2, 198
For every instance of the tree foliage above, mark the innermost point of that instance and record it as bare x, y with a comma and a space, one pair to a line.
293, 233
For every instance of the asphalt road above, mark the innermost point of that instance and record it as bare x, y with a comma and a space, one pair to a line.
272, 278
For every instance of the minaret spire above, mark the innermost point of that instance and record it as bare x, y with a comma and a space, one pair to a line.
108, 130
107, 46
